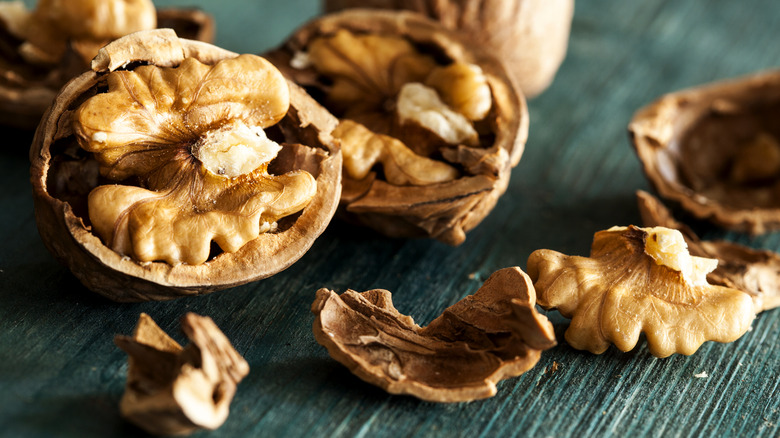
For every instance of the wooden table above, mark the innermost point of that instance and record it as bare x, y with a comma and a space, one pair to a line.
61, 375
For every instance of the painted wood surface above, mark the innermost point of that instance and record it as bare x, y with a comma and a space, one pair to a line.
61, 375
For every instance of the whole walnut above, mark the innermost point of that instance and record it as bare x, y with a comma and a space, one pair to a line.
531, 36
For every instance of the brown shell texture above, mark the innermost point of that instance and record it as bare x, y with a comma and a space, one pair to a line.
756, 272
715, 150
492, 335
177, 390
444, 210
27, 90
530, 36
62, 175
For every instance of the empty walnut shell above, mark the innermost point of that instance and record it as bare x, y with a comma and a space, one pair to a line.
715, 150
530, 36
63, 174
482, 160
492, 335
27, 89
756, 272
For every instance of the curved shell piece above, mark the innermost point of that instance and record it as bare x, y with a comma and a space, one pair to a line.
624, 289
460, 356
715, 150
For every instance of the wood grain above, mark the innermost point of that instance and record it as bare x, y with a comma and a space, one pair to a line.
61, 375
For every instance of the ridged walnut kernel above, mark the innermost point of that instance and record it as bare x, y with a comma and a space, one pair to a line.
639, 280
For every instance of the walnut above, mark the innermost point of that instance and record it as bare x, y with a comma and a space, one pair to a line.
756, 272
715, 150
48, 45
431, 101
639, 280
530, 36
460, 356
207, 170
175, 390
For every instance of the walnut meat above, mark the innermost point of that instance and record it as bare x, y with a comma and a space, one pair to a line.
47, 46
639, 280
756, 272
460, 356
715, 150
193, 170
177, 390
431, 126
530, 36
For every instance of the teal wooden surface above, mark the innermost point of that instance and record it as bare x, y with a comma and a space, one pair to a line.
61, 375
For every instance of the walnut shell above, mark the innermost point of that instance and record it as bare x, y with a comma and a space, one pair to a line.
715, 150
26, 90
530, 36
443, 210
492, 335
63, 174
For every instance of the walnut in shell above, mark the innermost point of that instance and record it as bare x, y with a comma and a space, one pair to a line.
430, 125
174, 167
460, 356
45, 47
639, 280
756, 272
172, 390
715, 150
530, 36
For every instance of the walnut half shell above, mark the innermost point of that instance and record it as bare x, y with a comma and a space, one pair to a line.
164, 147
715, 150
431, 125
460, 356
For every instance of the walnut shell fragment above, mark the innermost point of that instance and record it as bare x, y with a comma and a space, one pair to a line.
431, 125
460, 356
176, 168
715, 150
174, 390
45, 47
530, 36
639, 280
756, 272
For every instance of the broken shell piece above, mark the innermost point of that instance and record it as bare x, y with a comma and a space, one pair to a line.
715, 150
175, 390
47, 46
460, 356
756, 272
639, 280
212, 169
415, 84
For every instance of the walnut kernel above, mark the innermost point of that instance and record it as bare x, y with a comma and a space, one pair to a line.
639, 280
